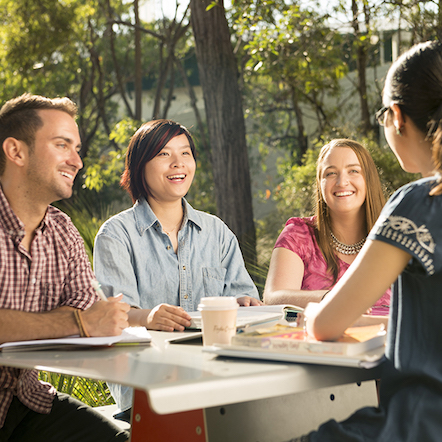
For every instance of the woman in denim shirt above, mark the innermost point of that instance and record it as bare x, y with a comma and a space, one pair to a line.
162, 254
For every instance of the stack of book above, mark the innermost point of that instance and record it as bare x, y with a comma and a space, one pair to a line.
359, 346
285, 338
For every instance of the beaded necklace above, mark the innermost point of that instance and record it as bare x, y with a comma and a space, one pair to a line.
345, 249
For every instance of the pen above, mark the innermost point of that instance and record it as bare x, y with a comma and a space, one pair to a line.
98, 290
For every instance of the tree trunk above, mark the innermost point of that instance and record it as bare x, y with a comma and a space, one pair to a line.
171, 62
361, 65
193, 101
302, 146
218, 72
121, 85
439, 21
138, 68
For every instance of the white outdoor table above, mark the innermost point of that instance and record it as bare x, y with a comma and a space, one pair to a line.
184, 394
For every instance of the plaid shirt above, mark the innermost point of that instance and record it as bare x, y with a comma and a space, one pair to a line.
56, 273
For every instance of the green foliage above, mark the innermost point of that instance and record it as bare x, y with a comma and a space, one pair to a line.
201, 194
92, 392
212, 5
106, 170
391, 173
87, 216
267, 231
295, 194
63, 48
34, 36
293, 61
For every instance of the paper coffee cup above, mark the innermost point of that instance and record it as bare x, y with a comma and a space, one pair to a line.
218, 318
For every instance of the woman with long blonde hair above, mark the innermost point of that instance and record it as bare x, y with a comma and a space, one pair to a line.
312, 253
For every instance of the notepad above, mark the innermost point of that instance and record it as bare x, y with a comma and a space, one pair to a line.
129, 336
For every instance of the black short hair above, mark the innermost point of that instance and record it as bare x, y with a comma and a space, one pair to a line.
145, 144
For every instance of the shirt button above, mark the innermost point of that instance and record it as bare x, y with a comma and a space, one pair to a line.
184, 267
33, 280
185, 296
168, 247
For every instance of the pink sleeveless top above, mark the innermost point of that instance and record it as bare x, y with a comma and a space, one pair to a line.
298, 236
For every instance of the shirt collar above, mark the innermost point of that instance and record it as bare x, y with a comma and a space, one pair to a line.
145, 218
192, 215
11, 223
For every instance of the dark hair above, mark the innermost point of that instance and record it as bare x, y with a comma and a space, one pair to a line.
374, 199
145, 144
19, 118
414, 82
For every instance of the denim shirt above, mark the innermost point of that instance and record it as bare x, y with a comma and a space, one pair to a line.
134, 256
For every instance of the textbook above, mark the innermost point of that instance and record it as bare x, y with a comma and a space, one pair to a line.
284, 338
367, 360
255, 315
129, 336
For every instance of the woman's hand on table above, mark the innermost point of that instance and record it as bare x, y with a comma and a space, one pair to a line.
247, 301
167, 317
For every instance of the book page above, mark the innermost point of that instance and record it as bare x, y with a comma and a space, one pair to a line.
245, 316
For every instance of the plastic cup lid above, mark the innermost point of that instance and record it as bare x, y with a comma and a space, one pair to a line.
218, 303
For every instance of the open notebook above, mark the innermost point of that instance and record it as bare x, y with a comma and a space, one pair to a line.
248, 316
129, 336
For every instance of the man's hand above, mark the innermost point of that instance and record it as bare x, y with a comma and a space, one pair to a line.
167, 317
106, 318
247, 301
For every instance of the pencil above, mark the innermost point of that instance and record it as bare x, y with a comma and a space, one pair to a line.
98, 290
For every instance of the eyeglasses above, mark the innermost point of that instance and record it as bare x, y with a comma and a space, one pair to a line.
379, 115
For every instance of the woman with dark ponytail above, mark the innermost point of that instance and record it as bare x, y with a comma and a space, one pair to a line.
404, 249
